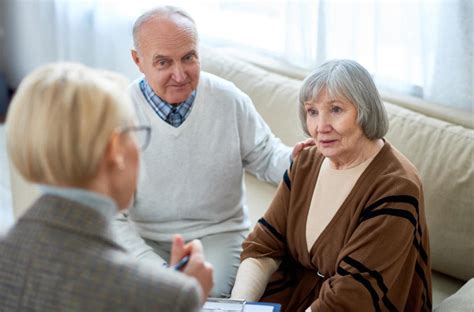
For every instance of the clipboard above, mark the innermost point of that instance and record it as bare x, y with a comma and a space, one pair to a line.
223, 305
232, 305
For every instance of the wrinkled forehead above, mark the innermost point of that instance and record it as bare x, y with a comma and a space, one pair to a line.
324, 91
171, 29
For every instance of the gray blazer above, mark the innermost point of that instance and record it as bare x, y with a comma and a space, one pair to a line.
60, 256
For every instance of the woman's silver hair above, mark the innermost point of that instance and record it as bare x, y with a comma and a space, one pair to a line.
347, 79
166, 10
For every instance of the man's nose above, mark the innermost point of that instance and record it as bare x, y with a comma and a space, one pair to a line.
178, 74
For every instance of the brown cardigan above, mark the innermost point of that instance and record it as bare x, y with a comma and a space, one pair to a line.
372, 256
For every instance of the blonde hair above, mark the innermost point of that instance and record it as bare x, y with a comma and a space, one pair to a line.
61, 119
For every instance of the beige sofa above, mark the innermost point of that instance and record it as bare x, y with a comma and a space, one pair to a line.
442, 151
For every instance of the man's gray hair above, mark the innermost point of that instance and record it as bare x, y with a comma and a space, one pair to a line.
349, 80
166, 10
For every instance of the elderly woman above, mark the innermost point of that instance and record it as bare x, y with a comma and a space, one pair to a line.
346, 230
72, 130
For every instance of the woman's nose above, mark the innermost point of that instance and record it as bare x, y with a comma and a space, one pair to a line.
324, 123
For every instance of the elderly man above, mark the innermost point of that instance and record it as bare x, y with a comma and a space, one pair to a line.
205, 133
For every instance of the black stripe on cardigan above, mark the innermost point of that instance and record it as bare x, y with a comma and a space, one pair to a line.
365, 283
421, 274
272, 230
394, 199
402, 214
407, 199
392, 212
286, 178
374, 274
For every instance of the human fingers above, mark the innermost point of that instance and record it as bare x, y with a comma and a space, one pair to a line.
178, 250
203, 272
207, 280
297, 149
199, 268
309, 142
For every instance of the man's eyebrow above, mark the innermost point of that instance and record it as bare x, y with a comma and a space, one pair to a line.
159, 57
190, 52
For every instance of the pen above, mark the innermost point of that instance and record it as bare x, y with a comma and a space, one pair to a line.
181, 264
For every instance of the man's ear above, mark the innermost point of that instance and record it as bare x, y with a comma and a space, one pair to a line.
136, 58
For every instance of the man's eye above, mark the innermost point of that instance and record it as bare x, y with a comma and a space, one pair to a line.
189, 57
161, 63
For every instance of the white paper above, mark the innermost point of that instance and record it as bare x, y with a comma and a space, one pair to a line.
234, 307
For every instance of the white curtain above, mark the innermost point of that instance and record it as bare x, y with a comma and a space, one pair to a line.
422, 48
418, 47
96, 32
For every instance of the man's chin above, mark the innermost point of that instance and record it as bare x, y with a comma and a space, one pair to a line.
177, 95
175, 100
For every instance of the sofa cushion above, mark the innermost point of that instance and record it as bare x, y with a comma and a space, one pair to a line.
462, 300
442, 152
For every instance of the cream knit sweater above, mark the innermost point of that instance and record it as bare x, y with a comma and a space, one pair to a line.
191, 179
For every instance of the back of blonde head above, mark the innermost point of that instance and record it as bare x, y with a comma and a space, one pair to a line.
61, 119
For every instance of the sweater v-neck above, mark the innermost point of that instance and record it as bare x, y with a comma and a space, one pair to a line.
162, 125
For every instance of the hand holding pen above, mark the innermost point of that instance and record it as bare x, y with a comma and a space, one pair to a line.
181, 263
189, 259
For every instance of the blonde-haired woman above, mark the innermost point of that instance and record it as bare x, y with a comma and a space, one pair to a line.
72, 129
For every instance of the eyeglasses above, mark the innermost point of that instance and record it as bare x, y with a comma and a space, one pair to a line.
142, 134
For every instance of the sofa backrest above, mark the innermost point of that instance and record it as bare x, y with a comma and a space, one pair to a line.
442, 152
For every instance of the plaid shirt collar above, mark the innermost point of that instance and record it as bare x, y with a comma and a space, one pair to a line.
163, 109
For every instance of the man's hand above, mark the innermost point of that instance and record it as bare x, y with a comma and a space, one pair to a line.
300, 146
197, 267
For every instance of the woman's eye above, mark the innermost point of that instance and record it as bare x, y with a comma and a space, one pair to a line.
311, 112
336, 109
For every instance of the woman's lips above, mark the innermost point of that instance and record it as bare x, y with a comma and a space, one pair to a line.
326, 143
